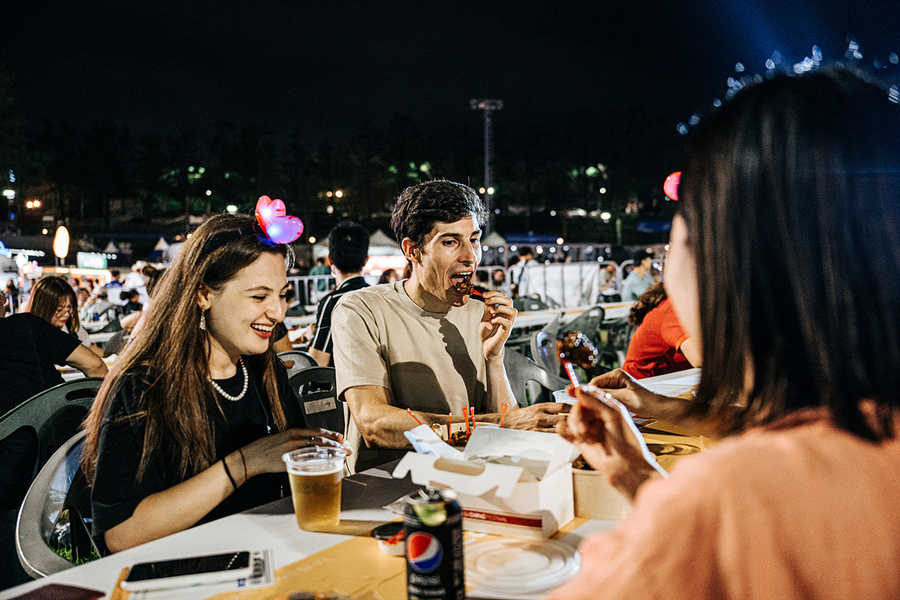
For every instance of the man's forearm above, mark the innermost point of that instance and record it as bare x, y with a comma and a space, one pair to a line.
498, 386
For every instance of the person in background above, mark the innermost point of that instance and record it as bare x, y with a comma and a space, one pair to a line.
136, 277
482, 281
54, 300
82, 295
30, 349
388, 276
348, 251
114, 282
498, 280
132, 302
607, 280
421, 343
782, 262
12, 295
659, 344
320, 269
99, 308
640, 277
192, 422
517, 273
133, 322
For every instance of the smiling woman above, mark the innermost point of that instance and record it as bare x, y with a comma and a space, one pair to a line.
193, 420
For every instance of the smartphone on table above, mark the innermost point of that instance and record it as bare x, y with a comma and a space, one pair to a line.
184, 572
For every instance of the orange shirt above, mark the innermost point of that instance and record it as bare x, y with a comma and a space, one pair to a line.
807, 511
655, 346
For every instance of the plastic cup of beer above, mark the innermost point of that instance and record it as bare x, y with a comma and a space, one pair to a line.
315, 474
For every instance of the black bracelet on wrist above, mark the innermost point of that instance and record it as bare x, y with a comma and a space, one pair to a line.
227, 472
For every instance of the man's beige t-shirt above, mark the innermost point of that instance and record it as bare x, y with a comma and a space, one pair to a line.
432, 362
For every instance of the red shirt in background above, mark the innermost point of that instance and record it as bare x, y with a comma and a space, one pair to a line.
655, 345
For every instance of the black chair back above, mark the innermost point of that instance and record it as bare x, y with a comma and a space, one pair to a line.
39, 426
316, 390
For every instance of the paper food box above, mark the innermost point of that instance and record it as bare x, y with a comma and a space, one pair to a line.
596, 499
508, 481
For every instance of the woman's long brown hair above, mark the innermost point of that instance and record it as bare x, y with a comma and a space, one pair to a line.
46, 296
171, 354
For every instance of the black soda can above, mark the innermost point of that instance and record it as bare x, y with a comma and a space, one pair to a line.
434, 546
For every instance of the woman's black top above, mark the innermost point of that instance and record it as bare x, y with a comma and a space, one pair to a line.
115, 492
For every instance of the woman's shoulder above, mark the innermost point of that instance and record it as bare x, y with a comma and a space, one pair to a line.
773, 458
128, 392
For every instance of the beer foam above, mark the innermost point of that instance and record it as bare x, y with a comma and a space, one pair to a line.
315, 467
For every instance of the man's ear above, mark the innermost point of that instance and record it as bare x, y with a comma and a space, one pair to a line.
410, 250
203, 297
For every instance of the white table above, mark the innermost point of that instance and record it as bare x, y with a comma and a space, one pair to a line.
272, 526
672, 384
612, 311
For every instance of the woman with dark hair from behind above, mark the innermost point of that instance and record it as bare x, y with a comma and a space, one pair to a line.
659, 344
783, 262
196, 413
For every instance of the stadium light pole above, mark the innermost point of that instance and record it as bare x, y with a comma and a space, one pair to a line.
488, 106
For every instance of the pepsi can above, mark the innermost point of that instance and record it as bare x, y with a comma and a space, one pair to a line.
434, 546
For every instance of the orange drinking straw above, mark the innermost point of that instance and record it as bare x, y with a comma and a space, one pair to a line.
414, 416
503, 413
466, 415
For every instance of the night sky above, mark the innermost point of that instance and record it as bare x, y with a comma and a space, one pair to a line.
325, 67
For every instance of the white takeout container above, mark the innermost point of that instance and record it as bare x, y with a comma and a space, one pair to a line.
508, 481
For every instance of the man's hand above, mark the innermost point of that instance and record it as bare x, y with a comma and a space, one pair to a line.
496, 323
544, 416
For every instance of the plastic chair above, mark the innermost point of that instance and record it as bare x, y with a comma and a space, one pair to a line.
117, 342
41, 507
543, 346
316, 390
113, 326
54, 415
589, 322
302, 360
529, 303
530, 382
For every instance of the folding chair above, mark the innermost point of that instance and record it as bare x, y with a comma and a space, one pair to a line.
41, 507
590, 323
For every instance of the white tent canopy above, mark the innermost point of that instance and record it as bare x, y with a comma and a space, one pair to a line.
161, 244
380, 238
493, 239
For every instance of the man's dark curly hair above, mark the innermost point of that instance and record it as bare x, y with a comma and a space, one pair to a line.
420, 206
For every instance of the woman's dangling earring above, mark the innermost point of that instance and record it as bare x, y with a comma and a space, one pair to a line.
202, 320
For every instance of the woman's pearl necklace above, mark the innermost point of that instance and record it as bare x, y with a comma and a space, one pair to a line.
243, 391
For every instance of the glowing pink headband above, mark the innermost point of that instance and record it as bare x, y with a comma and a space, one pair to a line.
275, 222
670, 187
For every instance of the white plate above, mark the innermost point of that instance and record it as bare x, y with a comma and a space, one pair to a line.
511, 564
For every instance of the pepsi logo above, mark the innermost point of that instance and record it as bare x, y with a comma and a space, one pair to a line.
423, 552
